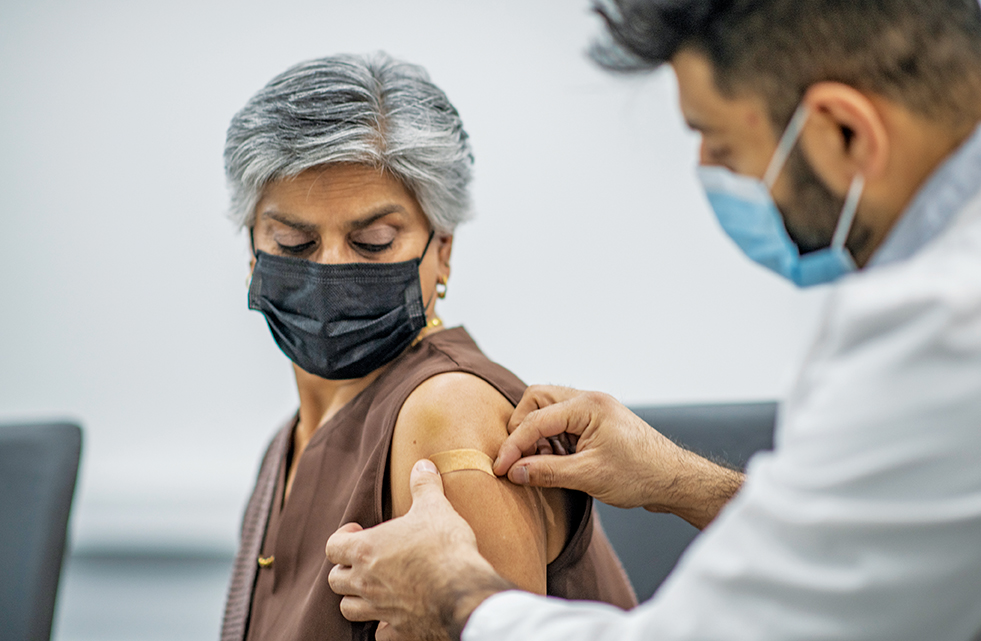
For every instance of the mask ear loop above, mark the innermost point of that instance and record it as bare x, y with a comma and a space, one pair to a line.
786, 144
248, 280
432, 234
848, 211
436, 321
432, 299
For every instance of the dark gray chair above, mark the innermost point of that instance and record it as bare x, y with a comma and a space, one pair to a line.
649, 544
38, 468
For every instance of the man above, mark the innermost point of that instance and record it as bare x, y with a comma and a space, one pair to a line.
840, 142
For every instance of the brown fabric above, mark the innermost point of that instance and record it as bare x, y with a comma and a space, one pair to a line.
342, 477
253, 528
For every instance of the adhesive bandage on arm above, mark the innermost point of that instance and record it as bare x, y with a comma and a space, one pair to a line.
457, 460
477, 461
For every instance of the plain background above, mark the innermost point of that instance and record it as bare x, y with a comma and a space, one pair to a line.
594, 260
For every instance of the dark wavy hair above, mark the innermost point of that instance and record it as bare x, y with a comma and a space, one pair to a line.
923, 54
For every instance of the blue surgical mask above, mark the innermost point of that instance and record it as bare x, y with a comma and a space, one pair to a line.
747, 213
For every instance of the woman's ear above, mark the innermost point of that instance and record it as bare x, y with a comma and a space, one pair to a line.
844, 135
445, 248
251, 250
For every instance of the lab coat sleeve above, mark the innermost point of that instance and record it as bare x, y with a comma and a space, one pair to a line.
865, 522
521, 615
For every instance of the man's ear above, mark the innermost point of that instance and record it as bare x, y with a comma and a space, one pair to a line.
844, 135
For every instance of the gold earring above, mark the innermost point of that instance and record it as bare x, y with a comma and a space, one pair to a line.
441, 293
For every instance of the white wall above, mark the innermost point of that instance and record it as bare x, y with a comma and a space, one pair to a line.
594, 261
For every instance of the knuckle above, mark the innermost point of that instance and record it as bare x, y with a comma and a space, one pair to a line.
595, 398
601, 399
543, 475
361, 586
603, 406
360, 553
529, 426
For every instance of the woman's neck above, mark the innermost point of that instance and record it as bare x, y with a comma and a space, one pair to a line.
321, 399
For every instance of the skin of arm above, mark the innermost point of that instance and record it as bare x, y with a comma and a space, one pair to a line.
512, 523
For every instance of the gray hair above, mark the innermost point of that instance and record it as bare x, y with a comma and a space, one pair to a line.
370, 110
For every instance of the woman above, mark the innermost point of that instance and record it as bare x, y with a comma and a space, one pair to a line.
350, 174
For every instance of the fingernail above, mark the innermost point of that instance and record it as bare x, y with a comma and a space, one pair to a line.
425, 465
497, 462
520, 475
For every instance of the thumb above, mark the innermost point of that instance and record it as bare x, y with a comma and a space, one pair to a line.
548, 471
425, 483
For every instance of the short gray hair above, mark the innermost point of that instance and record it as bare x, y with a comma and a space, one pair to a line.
370, 110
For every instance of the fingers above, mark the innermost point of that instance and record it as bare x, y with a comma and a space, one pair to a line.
426, 485
544, 446
572, 415
550, 471
339, 579
537, 397
355, 604
340, 548
385, 632
559, 445
354, 608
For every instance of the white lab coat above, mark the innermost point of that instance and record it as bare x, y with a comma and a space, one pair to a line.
865, 522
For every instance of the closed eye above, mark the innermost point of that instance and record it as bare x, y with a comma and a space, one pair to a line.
372, 248
296, 250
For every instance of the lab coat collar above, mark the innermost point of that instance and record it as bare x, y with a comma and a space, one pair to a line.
937, 203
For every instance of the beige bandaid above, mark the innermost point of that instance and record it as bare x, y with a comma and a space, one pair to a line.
457, 460
475, 460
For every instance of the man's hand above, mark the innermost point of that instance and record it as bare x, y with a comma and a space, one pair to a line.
618, 458
421, 574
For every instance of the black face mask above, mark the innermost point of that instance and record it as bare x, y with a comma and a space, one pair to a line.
339, 321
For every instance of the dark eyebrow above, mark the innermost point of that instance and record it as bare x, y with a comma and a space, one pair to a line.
360, 223
289, 221
381, 212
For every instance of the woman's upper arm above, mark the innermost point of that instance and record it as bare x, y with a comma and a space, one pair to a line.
460, 411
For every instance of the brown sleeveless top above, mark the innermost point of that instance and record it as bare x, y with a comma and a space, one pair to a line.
342, 477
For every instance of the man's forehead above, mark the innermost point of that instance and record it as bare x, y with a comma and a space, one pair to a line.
705, 108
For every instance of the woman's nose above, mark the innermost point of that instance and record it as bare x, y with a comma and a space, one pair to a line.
331, 253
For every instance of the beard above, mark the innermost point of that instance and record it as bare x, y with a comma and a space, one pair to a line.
812, 215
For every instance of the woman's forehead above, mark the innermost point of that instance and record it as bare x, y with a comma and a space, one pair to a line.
339, 194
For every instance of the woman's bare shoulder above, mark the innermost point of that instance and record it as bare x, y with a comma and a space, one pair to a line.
457, 410
453, 410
